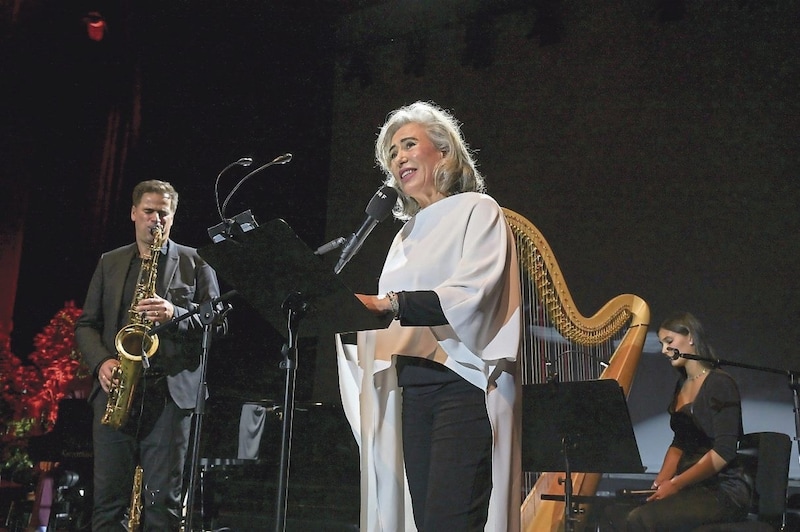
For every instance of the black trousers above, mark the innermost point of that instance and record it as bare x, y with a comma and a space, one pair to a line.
447, 443
683, 512
161, 452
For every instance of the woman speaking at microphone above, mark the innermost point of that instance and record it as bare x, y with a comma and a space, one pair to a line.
433, 399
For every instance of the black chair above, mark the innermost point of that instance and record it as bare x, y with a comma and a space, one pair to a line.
766, 456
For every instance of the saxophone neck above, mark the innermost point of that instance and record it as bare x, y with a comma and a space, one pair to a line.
158, 235
147, 250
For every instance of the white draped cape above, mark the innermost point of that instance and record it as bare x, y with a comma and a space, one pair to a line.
462, 248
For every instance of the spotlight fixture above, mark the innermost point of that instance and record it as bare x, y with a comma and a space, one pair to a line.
95, 25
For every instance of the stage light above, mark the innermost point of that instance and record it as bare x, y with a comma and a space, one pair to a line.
95, 26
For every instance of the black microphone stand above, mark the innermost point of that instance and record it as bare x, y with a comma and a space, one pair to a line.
208, 316
296, 307
794, 385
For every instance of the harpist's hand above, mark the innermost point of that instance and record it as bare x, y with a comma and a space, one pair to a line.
664, 490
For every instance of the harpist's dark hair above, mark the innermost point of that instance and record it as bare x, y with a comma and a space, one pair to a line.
685, 323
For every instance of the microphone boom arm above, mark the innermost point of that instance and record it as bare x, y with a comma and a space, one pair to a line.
793, 376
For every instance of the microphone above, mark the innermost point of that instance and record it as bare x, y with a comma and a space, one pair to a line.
281, 159
330, 246
218, 304
377, 210
690, 356
223, 298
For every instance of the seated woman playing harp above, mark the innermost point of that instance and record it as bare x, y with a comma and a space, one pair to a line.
700, 480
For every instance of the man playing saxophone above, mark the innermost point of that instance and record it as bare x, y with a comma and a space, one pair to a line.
154, 432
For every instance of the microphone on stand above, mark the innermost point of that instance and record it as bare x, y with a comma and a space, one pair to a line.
690, 356
377, 210
330, 246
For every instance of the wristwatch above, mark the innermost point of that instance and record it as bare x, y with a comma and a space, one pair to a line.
395, 303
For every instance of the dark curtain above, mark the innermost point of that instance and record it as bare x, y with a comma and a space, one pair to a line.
70, 118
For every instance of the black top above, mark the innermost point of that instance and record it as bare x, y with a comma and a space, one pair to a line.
420, 308
712, 421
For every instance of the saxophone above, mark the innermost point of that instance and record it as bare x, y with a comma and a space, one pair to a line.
135, 509
132, 341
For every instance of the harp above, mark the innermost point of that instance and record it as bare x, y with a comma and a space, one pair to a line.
559, 341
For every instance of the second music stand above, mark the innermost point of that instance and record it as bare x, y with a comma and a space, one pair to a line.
581, 426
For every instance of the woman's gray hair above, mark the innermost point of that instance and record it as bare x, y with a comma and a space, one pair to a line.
455, 173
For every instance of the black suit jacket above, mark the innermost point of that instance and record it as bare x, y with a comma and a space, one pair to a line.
186, 281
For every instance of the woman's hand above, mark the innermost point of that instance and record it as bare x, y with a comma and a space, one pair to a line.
709, 465
663, 490
376, 304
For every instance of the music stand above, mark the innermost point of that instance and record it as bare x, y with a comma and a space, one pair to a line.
208, 315
581, 426
282, 278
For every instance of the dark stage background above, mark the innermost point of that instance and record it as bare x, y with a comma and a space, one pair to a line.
194, 87
654, 143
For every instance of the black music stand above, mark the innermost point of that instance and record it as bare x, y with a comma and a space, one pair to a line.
581, 426
209, 314
282, 278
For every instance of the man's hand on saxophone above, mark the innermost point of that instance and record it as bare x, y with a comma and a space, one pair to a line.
156, 309
104, 375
